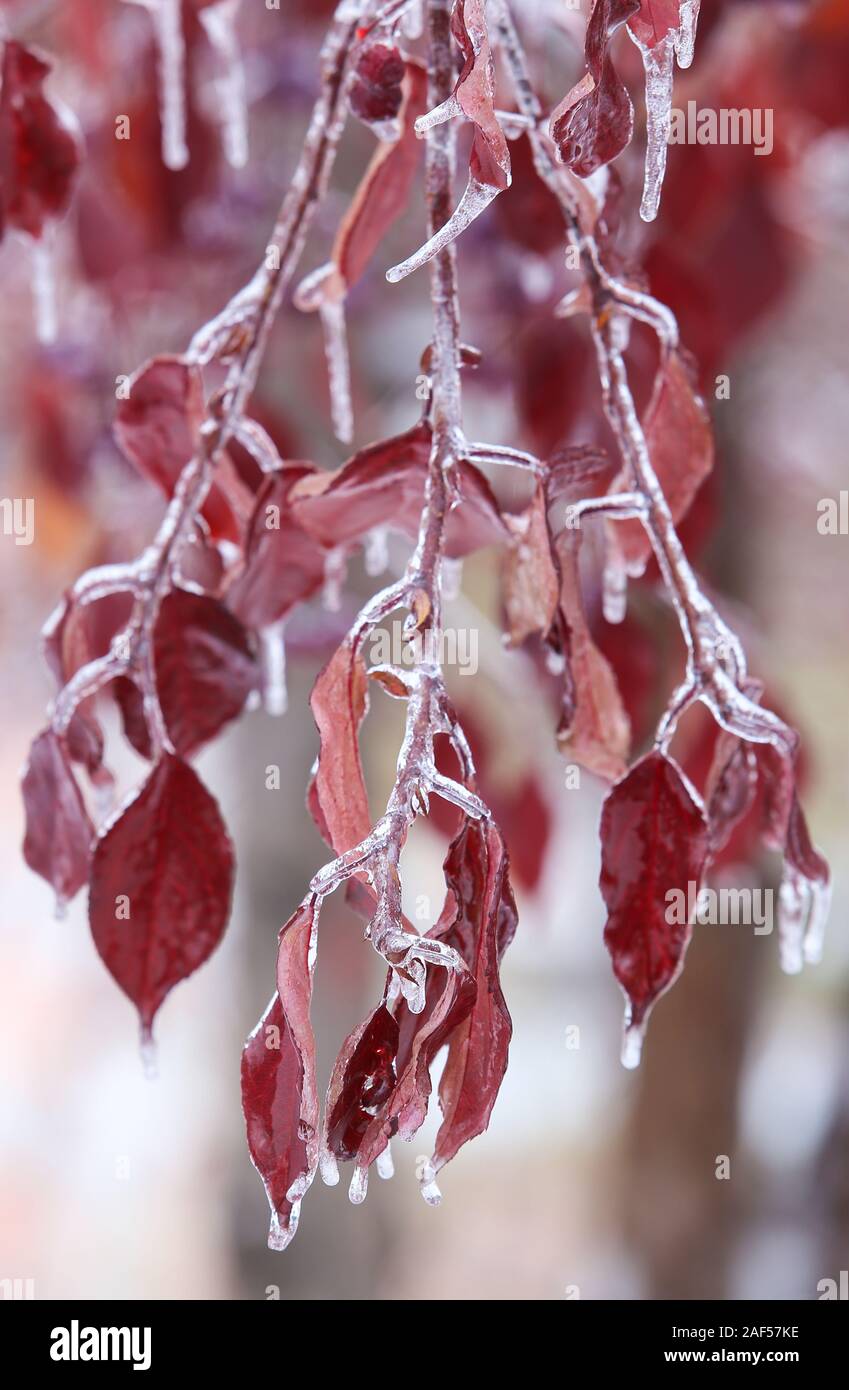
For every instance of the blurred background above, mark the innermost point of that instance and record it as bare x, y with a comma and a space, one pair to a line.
592, 1181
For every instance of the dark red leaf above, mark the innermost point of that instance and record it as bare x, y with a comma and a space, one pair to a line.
40, 147
654, 846
362, 1082
58, 837
283, 563
161, 882
279, 1096
205, 667
654, 20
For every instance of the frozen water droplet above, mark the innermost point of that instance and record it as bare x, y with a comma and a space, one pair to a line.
632, 1045
334, 578
385, 1166
278, 1237
359, 1186
329, 1168
60, 907
614, 599
428, 1185
474, 201
332, 314
685, 38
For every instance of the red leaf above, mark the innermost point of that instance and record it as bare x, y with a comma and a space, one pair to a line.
363, 1080
279, 1096
283, 563
475, 95
58, 837
654, 20
482, 928
158, 429
40, 146
384, 485
654, 847
205, 667
595, 120
338, 798
161, 881
383, 193
680, 442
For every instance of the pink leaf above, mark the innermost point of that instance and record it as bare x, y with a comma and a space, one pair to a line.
59, 833
284, 564
653, 851
279, 1096
161, 882
338, 797
475, 95
654, 20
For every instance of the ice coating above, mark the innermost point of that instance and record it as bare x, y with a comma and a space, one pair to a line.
685, 38
474, 201
659, 66
167, 19
332, 314
274, 694
219, 21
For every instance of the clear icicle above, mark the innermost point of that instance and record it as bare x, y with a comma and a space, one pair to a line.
474, 201
685, 37
632, 1044
44, 291
451, 573
334, 578
167, 19
219, 21
659, 64
359, 1186
385, 1166
614, 594
328, 1168
428, 1184
60, 907
377, 551
273, 643
332, 312
149, 1060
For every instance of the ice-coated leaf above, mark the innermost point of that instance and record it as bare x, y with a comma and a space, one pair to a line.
284, 564
384, 486
654, 846
595, 120
40, 147
338, 799
806, 879
475, 95
654, 19
362, 1080
161, 882
158, 429
205, 667
57, 843
476, 872
279, 1096
680, 441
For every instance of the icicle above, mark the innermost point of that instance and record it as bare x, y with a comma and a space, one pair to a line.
659, 64
60, 907
614, 594
385, 1166
332, 312
815, 932
359, 1186
632, 1044
167, 19
377, 551
428, 1184
278, 1239
802, 914
451, 573
685, 37
474, 201
43, 291
273, 644
219, 21
328, 1168
335, 570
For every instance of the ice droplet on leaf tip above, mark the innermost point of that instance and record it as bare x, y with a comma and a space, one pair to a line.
328, 1168
428, 1185
148, 1053
632, 1045
385, 1166
359, 1186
